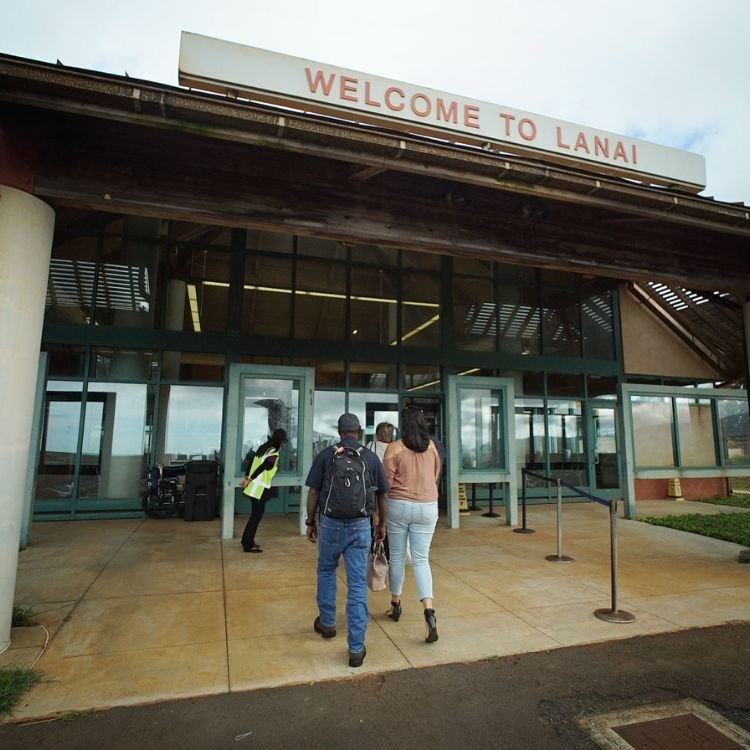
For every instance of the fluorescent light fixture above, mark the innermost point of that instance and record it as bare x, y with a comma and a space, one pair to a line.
414, 331
193, 300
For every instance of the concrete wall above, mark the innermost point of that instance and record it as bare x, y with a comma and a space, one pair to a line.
650, 348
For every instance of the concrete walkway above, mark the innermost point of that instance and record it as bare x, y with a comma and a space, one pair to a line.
148, 610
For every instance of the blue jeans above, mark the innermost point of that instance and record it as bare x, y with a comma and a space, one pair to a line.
417, 521
349, 537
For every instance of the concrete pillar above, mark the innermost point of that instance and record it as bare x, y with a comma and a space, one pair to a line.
26, 227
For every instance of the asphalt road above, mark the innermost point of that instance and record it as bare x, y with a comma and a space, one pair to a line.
527, 701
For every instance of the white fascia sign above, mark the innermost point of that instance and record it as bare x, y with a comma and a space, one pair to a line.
225, 67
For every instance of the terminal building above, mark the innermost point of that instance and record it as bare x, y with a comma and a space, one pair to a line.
277, 241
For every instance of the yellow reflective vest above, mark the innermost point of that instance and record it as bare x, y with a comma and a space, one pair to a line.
262, 482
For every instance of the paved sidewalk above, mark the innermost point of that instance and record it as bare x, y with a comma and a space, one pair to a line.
140, 611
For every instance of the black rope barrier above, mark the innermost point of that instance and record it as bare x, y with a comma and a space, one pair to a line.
614, 614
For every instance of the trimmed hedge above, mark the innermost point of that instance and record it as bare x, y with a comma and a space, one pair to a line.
731, 527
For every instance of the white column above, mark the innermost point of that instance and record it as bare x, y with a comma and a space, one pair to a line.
26, 227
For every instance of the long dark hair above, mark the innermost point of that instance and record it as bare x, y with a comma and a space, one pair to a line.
277, 438
414, 430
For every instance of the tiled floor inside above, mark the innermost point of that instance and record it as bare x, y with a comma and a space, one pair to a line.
145, 610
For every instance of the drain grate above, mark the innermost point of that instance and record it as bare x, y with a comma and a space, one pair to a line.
682, 725
685, 732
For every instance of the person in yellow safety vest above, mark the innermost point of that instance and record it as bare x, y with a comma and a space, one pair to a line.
257, 485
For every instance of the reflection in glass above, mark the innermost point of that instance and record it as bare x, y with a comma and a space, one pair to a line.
530, 438
565, 441
652, 424
474, 314
605, 447
481, 428
270, 404
373, 408
329, 406
734, 418
695, 428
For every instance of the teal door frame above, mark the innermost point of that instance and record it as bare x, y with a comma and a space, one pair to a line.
507, 473
232, 437
591, 447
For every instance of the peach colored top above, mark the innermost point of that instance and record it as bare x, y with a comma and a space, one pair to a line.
412, 475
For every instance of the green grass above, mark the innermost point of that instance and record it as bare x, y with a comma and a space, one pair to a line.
736, 501
14, 682
731, 527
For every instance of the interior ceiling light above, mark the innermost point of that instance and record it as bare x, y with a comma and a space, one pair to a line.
193, 300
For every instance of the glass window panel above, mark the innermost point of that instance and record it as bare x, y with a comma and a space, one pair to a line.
598, 324
329, 406
205, 234
114, 440
190, 423
272, 241
192, 366
734, 418
695, 430
652, 431
377, 376
421, 261
70, 284
520, 316
65, 361
560, 323
565, 384
374, 305
59, 445
531, 437
321, 248
320, 300
123, 364
127, 273
372, 409
193, 290
267, 296
473, 267
516, 275
420, 309
375, 254
270, 404
533, 384
422, 378
565, 440
481, 428
601, 386
474, 314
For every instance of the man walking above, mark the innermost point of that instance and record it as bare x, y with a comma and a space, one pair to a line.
342, 481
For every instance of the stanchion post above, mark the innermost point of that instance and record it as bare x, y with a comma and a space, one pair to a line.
614, 614
491, 513
559, 557
523, 529
474, 505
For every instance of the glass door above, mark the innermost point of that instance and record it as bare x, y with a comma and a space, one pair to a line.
605, 474
260, 400
481, 447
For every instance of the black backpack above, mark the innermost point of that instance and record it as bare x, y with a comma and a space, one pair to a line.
347, 490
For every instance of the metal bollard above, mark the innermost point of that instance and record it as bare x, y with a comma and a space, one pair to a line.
614, 614
523, 529
559, 557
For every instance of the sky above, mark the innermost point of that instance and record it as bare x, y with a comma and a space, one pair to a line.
673, 72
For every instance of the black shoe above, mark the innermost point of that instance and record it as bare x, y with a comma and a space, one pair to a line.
395, 611
429, 618
355, 660
324, 630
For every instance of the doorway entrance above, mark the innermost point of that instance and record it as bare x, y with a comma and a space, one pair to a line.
261, 399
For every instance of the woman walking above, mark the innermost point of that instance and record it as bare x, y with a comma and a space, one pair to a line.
412, 467
257, 485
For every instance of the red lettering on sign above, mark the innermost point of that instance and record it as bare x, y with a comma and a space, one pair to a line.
601, 148
427, 105
560, 143
581, 143
448, 115
471, 116
387, 97
620, 152
368, 100
313, 84
348, 88
527, 129
508, 119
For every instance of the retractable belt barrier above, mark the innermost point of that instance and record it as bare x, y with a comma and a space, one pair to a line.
609, 615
